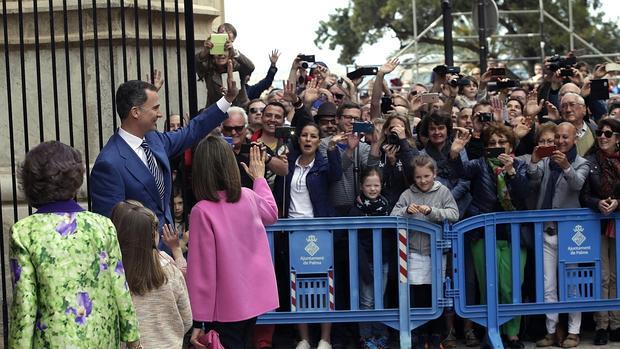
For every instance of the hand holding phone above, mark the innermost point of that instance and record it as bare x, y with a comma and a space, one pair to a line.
493, 152
543, 152
429, 98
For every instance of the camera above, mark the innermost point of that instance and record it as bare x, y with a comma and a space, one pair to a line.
284, 132
500, 85
556, 62
461, 81
306, 60
393, 139
485, 117
566, 72
442, 70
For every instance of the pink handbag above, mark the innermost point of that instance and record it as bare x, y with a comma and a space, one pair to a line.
211, 340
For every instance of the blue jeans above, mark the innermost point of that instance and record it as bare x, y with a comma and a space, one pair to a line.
367, 301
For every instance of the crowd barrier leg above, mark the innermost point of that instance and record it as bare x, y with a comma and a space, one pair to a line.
493, 331
403, 311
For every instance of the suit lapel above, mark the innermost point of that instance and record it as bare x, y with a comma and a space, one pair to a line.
136, 168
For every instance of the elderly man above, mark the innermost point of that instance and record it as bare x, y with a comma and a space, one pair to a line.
235, 127
573, 110
561, 177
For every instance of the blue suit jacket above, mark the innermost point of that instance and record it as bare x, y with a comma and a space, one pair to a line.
119, 174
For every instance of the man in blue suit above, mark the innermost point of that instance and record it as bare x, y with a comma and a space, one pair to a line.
134, 163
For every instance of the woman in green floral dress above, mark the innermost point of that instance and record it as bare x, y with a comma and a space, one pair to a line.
69, 288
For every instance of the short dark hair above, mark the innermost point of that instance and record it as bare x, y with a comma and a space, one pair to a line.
131, 94
516, 100
215, 169
255, 100
481, 103
136, 227
276, 104
347, 105
370, 171
498, 128
52, 171
437, 118
228, 28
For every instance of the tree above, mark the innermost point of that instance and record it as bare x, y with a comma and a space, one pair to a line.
366, 21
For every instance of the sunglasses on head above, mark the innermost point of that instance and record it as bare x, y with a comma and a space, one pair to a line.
229, 129
256, 110
607, 134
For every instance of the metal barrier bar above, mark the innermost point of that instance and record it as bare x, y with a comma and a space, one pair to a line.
377, 264
97, 75
190, 49
37, 59
149, 14
67, 75
137, 34
111, 58
178, 46
22, 64
165, 67
123, 41
84, 107
515, 260
54, 74
354, 285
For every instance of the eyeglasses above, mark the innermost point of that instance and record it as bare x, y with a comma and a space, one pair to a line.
229, 129
338, 95
351, 117
326, 122
256, 110
569, 104
607, 134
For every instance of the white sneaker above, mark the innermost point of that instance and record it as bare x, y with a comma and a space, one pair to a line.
303, 345
324, 345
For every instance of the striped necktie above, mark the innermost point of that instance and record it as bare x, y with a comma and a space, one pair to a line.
155, 171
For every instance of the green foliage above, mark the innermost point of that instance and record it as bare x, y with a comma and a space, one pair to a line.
366, 21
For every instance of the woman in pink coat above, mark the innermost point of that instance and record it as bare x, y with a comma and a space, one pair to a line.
230, 275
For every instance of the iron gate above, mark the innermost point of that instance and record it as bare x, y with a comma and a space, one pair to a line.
62, 62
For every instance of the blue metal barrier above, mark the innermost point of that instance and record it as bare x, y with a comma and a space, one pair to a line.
307, 231
578, 284
579, 268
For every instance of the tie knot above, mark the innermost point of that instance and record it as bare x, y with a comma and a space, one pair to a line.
144, 145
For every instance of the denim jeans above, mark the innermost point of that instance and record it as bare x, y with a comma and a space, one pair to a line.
367, 301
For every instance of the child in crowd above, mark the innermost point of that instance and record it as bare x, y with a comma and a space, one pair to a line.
429, 200
157, 286
370, 202
180, 221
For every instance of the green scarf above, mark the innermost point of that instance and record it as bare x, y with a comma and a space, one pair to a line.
503, 195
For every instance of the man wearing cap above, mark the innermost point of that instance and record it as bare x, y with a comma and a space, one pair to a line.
326, 119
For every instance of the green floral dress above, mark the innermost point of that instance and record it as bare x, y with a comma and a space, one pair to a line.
69, 282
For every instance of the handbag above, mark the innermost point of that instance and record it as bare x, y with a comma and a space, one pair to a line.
211, 340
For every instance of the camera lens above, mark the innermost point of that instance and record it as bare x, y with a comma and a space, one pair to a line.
304, 65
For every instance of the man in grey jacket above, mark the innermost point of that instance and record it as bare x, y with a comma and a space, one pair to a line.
343, 192
561, 177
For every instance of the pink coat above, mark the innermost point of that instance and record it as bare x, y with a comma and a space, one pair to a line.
230, 275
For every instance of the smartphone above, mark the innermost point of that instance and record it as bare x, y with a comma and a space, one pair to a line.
363, 127
359, 72
306, 58
612, 67
485, 117
429, 98
493, 152
599, 89
544, 152
284, 132
236, 79
498, 71
386, 104
245, 148
218, 41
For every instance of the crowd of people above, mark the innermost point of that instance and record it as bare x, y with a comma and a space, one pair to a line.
185, 253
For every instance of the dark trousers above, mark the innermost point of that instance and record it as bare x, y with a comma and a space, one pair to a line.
234, 335
420, 296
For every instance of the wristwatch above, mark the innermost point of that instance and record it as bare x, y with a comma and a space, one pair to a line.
269, 157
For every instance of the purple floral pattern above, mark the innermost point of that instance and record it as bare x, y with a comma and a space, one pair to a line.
68, 225
119, 268
83, 309
103, 260
16, 269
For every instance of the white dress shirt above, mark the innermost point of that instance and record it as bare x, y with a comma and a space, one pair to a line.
301, 205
